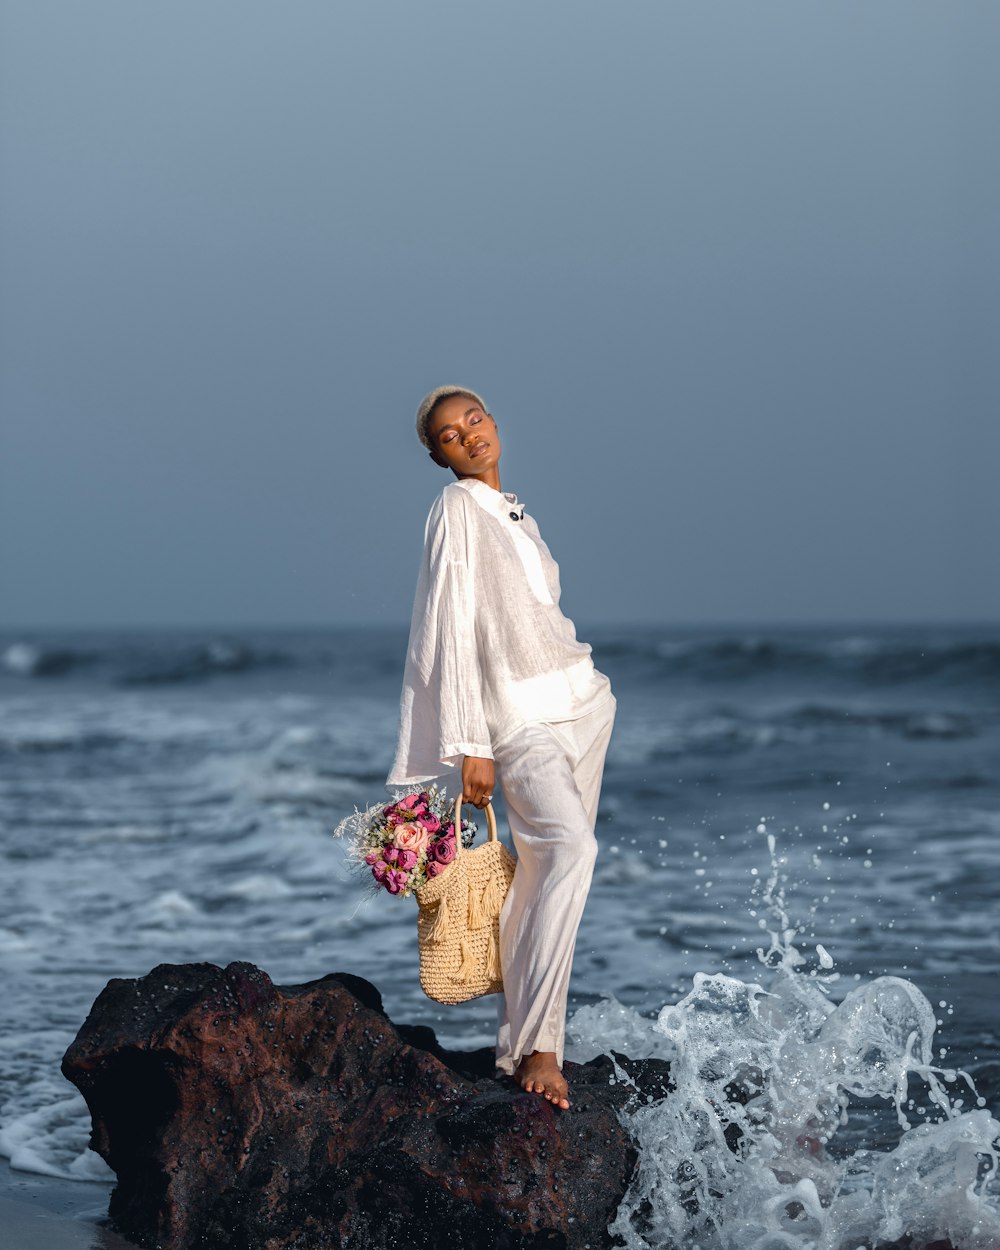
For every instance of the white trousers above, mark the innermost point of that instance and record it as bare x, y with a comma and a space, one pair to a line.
550, 774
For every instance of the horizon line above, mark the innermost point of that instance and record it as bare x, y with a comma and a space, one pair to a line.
664, 623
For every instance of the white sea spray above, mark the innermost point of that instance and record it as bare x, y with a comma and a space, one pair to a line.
743, 1154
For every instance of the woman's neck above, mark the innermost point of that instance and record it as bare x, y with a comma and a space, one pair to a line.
490, 478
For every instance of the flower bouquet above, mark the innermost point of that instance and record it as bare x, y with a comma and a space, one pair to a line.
406, 843
410, 846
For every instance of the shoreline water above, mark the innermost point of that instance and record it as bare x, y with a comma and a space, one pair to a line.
48, 1213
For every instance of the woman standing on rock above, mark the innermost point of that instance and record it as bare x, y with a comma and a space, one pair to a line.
497, 684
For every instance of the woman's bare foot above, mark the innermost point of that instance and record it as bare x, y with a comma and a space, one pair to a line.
539, 1073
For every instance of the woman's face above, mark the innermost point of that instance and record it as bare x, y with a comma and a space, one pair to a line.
463, 437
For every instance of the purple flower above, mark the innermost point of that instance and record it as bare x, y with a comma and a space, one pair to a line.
433, 868
430, 823
443, 850
380, 871
390, 854
387, 811
395, 881
405, 860
373, 857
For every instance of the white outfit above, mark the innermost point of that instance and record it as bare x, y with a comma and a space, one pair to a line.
495, 670
489, 648
551, 780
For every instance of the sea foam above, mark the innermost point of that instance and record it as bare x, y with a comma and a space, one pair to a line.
754, 1149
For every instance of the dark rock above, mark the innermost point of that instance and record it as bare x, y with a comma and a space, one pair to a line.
240, 1115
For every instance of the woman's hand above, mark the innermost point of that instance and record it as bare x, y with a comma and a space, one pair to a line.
478, 776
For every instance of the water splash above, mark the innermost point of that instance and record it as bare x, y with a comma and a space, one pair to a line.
744, 1154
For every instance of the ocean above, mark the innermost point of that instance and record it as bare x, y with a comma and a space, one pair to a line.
796, 890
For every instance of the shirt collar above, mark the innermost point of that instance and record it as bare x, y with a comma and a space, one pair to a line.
500, 502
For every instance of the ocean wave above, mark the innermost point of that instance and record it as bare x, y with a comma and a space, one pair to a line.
767, 1138
174, 665
169, 908
48, 741
130, 660
744, 1151
729, 731
907, 723
28, 659
258, 887
167, 658
887, 660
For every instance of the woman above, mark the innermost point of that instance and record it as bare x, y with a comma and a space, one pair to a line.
497, 684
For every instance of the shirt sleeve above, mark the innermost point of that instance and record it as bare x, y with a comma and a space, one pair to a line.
441, 706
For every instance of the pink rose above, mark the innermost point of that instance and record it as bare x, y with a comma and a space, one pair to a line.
408, 804
430, 823
443, 850
390, 854
380, 871
411, 837
406, 860
433, 868
373, 857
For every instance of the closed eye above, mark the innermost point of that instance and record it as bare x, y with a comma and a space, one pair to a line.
449, 435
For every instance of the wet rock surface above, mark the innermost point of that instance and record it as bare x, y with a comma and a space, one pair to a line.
241, 1115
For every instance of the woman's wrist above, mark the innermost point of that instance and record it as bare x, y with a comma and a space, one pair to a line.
478, 778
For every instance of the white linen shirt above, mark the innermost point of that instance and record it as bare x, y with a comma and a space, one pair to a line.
489, 648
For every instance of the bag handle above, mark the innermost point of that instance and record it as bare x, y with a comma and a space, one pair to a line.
491, 825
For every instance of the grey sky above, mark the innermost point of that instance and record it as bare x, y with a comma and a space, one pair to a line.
726, 273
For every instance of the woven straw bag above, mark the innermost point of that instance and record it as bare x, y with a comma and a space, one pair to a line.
458, 919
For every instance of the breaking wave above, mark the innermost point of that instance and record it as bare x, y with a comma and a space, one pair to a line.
770, 1137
